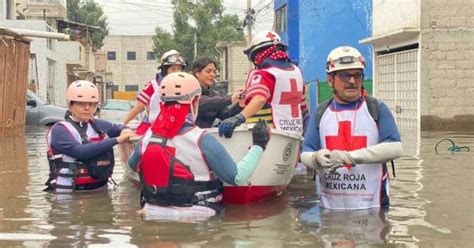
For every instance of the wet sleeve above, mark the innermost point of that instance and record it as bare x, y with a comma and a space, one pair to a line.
63, 142
135, 156
312, 140
388, 131
111, 129
221, 163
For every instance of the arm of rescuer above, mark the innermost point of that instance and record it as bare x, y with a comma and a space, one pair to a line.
389, 148
259, 88
63, 142
143, 99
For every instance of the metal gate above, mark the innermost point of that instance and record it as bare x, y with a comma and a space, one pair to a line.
396, 83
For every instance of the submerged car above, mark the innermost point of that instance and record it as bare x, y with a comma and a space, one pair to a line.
38, 112
114, 110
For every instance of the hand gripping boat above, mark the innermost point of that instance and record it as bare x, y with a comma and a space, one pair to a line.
274, 171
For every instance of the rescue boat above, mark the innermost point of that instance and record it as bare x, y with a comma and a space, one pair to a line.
274, 171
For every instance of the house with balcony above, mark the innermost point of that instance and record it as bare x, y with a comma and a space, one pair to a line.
53, 64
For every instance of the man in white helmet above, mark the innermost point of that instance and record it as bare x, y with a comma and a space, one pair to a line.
171, 61
275, 86
350, 138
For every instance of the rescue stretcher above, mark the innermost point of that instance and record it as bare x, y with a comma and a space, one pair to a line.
272, 175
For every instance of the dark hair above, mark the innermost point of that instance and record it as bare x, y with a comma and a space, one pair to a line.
200, 63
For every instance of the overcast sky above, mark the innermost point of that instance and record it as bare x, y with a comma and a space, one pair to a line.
140, 17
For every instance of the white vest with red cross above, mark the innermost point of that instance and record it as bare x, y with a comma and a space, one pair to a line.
187, 151
154, 105
353, 187
286, 100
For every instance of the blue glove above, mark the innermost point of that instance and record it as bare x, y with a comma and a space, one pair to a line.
227, 126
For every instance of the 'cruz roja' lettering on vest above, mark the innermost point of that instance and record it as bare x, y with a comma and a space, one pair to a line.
345, 177
348, 181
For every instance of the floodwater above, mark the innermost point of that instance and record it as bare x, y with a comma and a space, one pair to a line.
431, 206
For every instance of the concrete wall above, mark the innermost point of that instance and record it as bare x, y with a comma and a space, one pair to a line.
447, 64
386, 19
100, 61
39, 46
239, 66
130, 72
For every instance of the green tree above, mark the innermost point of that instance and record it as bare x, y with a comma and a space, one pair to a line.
89, 13
209, 25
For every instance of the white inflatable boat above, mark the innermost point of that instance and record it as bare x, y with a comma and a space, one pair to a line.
272, 175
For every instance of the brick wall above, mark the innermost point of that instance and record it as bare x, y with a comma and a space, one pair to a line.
447, 65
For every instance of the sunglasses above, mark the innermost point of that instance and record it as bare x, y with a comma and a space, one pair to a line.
346, 76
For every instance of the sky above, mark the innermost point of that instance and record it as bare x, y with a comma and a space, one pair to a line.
140, 17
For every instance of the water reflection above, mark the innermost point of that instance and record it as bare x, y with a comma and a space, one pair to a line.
346, 228
431, 206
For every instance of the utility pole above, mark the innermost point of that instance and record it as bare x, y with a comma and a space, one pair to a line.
249, 21
195, 44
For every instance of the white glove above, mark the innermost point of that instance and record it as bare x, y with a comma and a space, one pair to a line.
322, 158
341, 157
316, 159
379, 153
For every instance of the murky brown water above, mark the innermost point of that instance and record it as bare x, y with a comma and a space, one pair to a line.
432, 206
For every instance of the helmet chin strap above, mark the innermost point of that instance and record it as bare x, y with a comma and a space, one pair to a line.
194, 110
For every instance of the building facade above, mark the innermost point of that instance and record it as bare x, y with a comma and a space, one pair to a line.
131, 62
313, 28
423, 57
47, 67
234, 65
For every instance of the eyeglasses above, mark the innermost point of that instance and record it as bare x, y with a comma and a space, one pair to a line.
346, 76
175, 59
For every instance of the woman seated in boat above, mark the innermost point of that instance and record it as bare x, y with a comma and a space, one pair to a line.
212, 105
80, 149
180, 164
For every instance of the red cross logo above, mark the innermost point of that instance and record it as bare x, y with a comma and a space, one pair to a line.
344, 140
271, 36
292, 98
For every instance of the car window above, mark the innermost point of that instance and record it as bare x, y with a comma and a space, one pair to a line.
117, 105
32, 96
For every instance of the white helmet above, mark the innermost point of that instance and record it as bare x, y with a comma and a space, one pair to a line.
172, 57
344, 57
261, 40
